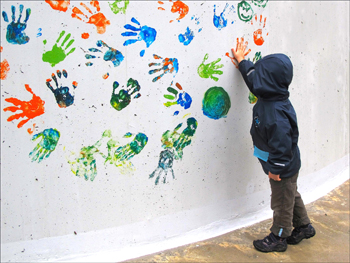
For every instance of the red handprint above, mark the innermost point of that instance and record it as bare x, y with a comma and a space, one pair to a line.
30, 109
178, 7
97, 19
4, 68
258, 38
60, 5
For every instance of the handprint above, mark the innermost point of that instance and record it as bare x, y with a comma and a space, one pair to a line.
177, 142
97, 19
219, 21
169, 65
258, 34
208, 70
245, 54
4, 68
112, 55
30, 109
59, 5
165, 163
15, 30
123, 98
177, 7
183, 100
58, 54
119, 6
63, 97
85, 163
187, 37
120, 155
46, 146
146, 34
245, 11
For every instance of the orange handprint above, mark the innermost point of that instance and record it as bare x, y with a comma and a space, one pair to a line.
245, 54
178, 7
60, 5
30, 109
4, 68
97, 19
258, 38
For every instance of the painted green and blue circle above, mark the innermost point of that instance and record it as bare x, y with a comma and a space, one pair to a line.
216, 103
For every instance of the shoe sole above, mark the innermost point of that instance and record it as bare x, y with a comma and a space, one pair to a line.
277, 249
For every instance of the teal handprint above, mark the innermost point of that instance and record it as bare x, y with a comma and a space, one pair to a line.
208, 70
58, 53
46, 146
15, 34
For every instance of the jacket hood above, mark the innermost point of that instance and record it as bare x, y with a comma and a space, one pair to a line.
273, 75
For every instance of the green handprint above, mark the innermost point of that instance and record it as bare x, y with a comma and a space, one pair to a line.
208, 70
177, 142
85, 164
58, 54
46, 146
119, 6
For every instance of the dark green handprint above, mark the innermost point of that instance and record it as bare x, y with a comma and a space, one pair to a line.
46, 146
208, 70
58, 53
123, 98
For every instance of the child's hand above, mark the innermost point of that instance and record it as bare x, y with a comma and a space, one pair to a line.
275, 177
240, 51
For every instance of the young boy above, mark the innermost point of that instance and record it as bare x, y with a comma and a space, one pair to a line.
275, 137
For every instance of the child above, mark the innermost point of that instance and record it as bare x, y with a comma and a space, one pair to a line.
275, 137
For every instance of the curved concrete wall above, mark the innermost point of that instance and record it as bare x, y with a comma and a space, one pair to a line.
48, 210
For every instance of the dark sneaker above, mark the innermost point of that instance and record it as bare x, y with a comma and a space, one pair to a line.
271, 244
299, 233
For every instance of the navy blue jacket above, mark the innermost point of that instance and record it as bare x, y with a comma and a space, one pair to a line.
274, 129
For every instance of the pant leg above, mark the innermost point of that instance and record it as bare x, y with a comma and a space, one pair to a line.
282, 203
300, 216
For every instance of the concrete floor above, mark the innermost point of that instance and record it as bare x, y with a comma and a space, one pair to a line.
329, 216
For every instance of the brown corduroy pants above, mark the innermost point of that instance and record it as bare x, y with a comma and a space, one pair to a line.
288, 208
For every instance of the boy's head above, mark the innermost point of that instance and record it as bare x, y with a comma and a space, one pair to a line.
273, 75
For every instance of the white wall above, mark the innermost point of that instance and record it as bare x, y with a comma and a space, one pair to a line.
218, 180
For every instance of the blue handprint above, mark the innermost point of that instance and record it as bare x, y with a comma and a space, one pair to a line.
15, 34
146, 34
113, 55
219, 21
187, 37
46, 146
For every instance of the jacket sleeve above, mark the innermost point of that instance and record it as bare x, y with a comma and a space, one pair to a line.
247, 70
281, 147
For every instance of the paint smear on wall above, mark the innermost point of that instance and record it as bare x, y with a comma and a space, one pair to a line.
95, 18
30, 109
63, 96
119, 6
122, 98
15, 30
4, 68
208, 70
49, 139
85, 35
216, 103
168, 65
58, 53
59, 5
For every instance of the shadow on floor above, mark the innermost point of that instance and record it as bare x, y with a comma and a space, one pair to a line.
329, 215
